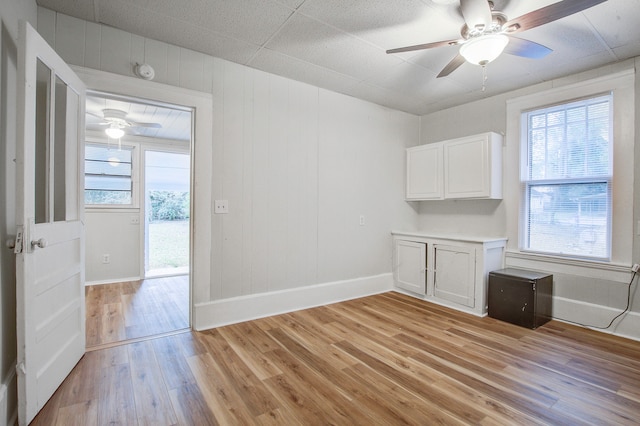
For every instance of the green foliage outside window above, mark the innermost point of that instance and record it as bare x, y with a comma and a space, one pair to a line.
168, 205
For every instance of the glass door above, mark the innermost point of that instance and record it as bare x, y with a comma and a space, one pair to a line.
167, 213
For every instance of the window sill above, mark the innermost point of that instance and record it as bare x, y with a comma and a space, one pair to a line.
111, 209
562, 265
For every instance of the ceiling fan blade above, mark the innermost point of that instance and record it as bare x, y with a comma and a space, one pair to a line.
476, 13
149, 125
548, 14
424, 46
526, 48
451, 66
93, 126
95, 115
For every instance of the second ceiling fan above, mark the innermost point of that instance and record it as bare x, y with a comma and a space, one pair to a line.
487, 32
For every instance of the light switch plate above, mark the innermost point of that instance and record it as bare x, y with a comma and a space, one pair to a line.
221, 206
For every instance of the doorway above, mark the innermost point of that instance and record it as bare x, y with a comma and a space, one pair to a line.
167, 213
138, 218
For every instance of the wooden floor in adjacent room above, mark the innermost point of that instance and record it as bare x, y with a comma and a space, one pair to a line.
133, 309
385, 359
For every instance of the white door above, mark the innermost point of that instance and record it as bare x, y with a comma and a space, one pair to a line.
49, 212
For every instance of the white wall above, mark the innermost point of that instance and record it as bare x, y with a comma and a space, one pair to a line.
584, 292
10, 12
298, 164
111, 232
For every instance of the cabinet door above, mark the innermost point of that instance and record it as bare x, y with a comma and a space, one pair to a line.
410, 265
467, 168
454, 274
424, 172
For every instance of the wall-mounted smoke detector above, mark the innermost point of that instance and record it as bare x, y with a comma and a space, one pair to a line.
144, 71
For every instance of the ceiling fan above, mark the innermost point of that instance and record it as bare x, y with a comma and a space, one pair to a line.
116, 123
487, 32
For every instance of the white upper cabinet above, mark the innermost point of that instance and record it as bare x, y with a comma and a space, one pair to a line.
473, 167
424, 172
469, 167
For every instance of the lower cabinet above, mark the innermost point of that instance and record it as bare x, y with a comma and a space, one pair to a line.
451, 271
411, 265
454, 273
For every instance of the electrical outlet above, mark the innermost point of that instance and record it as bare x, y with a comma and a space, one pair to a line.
221, 206
361, 220
635, 267
106, 258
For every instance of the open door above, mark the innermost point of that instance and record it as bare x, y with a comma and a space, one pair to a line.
49, 245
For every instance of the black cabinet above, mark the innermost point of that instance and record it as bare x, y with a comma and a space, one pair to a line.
520, 297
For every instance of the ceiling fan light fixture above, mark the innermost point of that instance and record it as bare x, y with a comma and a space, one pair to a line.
114, 132
483, 49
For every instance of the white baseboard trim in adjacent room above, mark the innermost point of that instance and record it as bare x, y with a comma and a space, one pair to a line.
113, 281
8, 404
590, 314
245, 308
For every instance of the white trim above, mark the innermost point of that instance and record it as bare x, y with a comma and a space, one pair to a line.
123, 85
621, 83
245, 308
201, 159
111, 281
8, 413
559, 265
568, 310
562, 93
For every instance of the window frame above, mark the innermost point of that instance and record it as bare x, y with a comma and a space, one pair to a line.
527, 182
621, 82
135, 174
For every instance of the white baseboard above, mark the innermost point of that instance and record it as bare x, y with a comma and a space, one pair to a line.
8, 402
245, 308
117, 280
590, 314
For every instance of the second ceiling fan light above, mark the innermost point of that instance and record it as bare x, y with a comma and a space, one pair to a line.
114, 131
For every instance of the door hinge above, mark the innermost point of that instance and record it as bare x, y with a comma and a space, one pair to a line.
17, 248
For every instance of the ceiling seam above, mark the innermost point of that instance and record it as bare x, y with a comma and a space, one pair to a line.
602, 41
272, 36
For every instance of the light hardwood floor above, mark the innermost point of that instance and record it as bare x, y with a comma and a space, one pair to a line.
134, 309
386, 359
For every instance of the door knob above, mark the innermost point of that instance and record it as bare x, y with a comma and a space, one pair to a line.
42, 243
11, 243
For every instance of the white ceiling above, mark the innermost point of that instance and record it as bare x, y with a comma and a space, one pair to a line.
340, 44
175, 122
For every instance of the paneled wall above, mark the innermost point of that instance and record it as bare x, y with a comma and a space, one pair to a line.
299, 165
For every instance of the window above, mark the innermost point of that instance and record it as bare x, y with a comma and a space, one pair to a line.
108, 175
566, 175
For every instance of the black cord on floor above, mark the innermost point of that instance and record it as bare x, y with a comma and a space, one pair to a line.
614, 318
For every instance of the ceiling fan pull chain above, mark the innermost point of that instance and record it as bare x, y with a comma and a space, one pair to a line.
484, 78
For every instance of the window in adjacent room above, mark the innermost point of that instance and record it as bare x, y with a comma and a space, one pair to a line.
108, 175
566, 174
